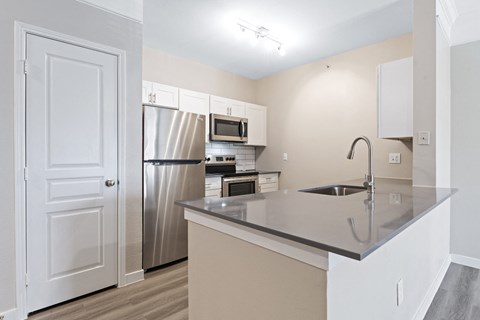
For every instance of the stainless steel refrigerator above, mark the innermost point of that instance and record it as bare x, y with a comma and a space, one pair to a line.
174, 169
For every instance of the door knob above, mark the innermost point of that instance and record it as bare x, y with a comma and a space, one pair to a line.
109, 183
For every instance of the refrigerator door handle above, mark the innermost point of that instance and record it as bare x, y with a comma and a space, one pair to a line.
173, 162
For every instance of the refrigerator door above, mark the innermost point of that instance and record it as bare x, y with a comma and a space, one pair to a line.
173, 135
164, 227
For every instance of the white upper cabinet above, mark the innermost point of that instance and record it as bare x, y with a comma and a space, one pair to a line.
196, 102
395, 99
228, 107
257, 124
159, 94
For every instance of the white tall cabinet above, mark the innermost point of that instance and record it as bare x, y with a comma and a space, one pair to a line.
257, 124
395, 99
196, 102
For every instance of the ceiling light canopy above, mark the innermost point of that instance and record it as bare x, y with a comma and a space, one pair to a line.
257, 33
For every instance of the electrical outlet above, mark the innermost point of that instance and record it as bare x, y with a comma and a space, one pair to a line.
394, 158
285, 156
395, 198
399, 292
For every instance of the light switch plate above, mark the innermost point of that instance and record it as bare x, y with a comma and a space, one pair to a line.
423, 137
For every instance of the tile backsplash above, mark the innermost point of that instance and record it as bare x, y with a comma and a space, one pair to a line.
245, 155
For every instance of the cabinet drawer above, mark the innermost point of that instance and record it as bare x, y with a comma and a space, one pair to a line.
268, 187
268, 178
213, 183
213, 193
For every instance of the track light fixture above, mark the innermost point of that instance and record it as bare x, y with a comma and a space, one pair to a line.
259, 32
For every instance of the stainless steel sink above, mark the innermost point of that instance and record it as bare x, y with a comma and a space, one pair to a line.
336, 190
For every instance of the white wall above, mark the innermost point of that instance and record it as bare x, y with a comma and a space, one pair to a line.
76, 19
419, 255
315, 113
443, 99
466, 149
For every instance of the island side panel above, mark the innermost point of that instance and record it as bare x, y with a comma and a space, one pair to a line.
420, 255
232, 279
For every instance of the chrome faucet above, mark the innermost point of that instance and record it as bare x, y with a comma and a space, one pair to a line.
369, 179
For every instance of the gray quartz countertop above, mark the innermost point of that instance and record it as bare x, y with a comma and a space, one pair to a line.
353, 226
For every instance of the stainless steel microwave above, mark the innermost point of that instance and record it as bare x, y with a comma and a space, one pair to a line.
228, 128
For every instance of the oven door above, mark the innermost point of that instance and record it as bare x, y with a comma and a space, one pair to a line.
228, 128
236, 186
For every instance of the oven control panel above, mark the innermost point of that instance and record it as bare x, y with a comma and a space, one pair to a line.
220, 160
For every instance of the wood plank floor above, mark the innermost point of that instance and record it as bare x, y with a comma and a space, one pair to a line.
458, 297
162, 296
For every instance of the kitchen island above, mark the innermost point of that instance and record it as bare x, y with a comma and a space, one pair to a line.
299, 255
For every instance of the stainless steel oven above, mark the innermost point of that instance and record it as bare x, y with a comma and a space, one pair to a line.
228, 128
239, 185
234, 183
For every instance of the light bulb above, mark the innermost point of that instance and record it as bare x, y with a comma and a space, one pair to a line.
281, 50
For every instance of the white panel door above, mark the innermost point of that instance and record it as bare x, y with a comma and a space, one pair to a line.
71, 148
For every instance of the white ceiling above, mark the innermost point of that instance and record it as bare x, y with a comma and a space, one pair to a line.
206, 30
465, 26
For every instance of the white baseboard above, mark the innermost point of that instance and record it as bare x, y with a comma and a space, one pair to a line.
135, 276
10, 315
466, 261
427, 300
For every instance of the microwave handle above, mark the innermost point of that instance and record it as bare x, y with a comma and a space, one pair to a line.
242, 129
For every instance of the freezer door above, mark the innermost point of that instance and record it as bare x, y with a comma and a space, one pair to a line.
171, 134
164, 228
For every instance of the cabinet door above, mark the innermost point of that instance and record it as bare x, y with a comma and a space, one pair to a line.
228, 107
196, 102
257, 124
395, 99
146, 92
163, 95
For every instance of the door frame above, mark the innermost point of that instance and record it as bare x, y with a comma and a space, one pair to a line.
21, 31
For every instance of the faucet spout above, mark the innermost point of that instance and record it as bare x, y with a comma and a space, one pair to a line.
369, 179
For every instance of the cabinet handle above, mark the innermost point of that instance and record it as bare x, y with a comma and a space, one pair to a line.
154, 98
150, 97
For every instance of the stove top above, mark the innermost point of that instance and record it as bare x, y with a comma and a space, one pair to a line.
225, 166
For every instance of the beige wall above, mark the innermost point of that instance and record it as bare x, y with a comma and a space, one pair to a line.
168, 69
424, 91
315, 112
232, 279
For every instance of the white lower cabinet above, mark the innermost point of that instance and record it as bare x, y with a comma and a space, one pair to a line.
268, 182
213, 186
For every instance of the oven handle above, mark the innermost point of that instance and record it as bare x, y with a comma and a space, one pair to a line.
241, 179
